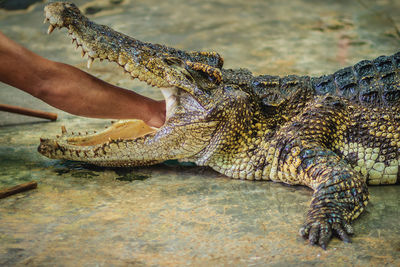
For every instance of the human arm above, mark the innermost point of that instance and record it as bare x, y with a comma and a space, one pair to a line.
72, 90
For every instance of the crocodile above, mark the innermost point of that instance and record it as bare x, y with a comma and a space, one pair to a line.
334, 134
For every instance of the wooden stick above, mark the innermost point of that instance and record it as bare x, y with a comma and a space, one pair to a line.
29, 112
17, 189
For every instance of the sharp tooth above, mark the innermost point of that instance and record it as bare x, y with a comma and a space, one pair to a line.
89, 62
83, 53
45, 20
63, 129
73, 40
92, 54
50, 29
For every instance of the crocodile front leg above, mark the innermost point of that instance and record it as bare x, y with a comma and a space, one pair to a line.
340, 195
305, 156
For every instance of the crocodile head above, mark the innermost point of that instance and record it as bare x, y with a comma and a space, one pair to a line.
206, 110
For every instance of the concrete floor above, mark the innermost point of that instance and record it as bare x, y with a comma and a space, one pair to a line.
173, 215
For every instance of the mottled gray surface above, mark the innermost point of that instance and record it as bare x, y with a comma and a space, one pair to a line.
169, 215
17, 4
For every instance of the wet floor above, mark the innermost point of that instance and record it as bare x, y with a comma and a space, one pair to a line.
173, 215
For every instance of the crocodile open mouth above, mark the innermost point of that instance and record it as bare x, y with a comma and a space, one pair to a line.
178, 74
124, 129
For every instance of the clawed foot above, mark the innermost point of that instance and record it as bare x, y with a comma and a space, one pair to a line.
319, 231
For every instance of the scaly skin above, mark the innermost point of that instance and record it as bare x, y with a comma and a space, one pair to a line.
333, 133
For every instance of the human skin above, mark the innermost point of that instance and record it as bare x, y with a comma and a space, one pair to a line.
71, 89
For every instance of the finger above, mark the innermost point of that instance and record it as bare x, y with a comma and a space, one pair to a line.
325, 236
314, 234
341, 233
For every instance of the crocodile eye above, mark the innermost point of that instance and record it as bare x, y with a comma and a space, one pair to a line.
213, 74
178, 65
205, 76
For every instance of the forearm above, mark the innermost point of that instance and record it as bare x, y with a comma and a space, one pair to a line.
20, 67
72, 90
80, 93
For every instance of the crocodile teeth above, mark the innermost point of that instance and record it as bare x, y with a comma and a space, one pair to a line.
89, 62
45, 20
83, 53
50, 29
63, 129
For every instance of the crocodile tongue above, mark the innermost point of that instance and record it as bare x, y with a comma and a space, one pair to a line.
125, 129
181, 77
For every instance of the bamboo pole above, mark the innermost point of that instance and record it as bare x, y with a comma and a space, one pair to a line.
29, 112
17, 189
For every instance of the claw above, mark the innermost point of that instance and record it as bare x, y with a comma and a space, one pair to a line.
314, 234
320, 231
341, 233
325, 236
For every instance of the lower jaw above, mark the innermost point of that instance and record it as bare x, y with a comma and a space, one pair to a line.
96, 147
